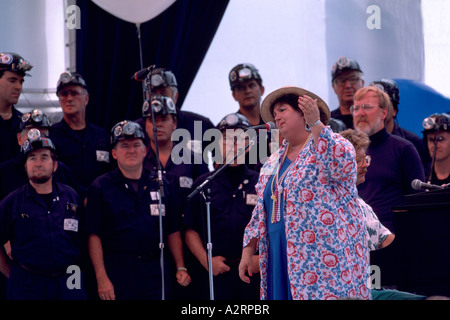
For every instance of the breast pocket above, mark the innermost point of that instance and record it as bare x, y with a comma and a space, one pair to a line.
70, 220
27, 228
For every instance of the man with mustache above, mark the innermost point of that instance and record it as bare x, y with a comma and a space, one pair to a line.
43, 220
13, 69
395, 161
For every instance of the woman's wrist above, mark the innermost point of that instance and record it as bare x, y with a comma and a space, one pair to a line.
316, 123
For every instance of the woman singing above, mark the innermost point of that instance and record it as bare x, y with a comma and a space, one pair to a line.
306, 224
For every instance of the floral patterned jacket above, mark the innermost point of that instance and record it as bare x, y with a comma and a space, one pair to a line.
327, 249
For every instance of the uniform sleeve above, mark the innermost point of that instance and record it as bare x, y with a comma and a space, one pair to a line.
174, 207
193, 215
5, 220
93, 212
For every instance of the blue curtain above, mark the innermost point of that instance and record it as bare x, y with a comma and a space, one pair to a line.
107, 53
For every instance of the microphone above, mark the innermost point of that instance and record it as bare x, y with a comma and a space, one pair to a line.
142, 74
416, 184
268, 126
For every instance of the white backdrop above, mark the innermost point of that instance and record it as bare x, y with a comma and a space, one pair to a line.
291, 42
295, 42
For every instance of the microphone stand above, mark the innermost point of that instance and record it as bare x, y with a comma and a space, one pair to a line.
160, 183
208, 210
138, 30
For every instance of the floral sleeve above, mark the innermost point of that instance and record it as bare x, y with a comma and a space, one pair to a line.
335, 157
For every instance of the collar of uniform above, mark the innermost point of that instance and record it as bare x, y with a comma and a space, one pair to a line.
118, 178
30, 192
16, 115
64, 125
261, 121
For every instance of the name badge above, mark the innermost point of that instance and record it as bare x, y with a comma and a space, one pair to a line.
251, 199
154, 210
71, 225
102, 156
186, 182
154, 195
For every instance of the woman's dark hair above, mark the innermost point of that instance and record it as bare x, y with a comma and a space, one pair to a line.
291, 99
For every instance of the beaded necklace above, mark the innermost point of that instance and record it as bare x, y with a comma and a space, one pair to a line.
278, 192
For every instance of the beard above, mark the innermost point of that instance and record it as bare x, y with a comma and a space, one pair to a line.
368, 127
40, 179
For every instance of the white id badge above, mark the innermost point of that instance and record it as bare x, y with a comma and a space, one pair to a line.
154, 195
102, 156
71, 225
186, 182
251, 199
154, 210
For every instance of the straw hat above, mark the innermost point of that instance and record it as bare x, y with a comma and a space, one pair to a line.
270, 99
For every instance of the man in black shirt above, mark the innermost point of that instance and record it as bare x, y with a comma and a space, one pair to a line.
13, 69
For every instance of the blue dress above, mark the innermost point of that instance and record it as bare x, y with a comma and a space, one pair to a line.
278, 287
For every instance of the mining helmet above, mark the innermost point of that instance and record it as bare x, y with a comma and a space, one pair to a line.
36, 140
15, 63
126, 130
344, 64
161, 105
33, 119
436, 122
69, 78
390, 87
243, 72
161, 77
234, 121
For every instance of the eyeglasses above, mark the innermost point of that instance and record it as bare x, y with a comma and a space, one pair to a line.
366, 159
365, 107
341, 81
73, 93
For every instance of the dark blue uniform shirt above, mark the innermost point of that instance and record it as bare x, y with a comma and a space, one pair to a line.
85, 152
43, 239
181, 176
233, 198
8, 133
127, 221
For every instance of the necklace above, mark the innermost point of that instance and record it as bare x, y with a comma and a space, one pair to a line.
278, 192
